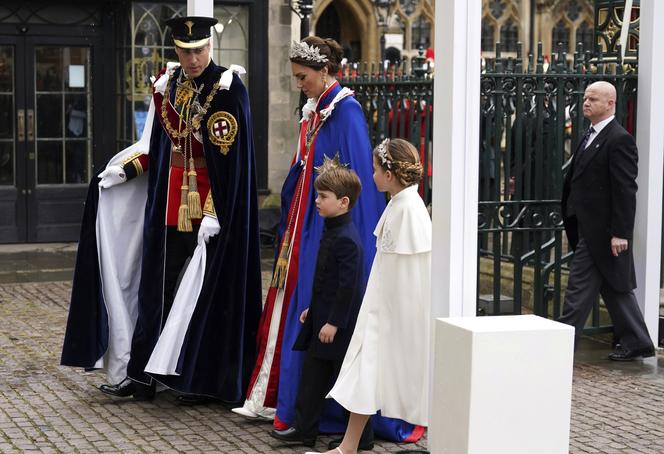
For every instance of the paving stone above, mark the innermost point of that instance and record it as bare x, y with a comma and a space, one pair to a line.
45, 407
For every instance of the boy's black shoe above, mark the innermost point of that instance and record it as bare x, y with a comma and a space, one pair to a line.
291, 435
367, 446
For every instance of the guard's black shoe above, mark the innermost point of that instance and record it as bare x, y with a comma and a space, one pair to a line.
123, 389
193, 399
624, 354
335, 443
291, 435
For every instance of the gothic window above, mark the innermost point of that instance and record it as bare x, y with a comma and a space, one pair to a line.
148, 46
420, 33
488, 43
573, 10
397, 26
560, 37
509, 36
584, 34
396, 23
408, 6
497, 7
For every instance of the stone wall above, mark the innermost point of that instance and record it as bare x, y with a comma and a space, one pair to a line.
282, 122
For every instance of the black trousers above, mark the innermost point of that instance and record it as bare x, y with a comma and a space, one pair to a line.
585, 284
317, 378
179, 247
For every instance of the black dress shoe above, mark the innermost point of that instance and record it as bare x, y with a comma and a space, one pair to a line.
335, 443
193, 399
624, 354
123, 389
145, 392
291, 435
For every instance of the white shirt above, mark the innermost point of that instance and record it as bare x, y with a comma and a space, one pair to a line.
598, 128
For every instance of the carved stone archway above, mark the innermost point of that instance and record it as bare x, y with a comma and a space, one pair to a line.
358, 24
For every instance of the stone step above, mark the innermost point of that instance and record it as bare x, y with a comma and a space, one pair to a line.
39, 262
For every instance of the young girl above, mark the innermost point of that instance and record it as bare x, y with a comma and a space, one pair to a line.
386, 367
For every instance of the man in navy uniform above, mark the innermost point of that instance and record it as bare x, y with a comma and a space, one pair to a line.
200, 188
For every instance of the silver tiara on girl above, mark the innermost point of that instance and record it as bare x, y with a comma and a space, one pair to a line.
382, 154
304, 51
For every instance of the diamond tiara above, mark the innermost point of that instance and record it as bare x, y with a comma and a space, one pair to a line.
306, 52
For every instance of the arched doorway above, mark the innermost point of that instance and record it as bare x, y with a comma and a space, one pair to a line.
328, 24
350, 33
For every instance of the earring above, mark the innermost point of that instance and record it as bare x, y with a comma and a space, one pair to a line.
325, 81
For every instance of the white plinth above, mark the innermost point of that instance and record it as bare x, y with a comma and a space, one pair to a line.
501, 385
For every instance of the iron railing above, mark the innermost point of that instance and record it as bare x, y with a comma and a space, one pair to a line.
397, 101
530, 121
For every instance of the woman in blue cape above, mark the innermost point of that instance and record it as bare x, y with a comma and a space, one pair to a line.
332, 123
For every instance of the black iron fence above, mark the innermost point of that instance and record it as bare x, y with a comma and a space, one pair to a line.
397, 100
530, 122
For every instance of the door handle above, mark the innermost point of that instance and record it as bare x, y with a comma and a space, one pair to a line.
31, 125
21, 125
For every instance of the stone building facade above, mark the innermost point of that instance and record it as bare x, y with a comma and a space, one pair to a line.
410, 25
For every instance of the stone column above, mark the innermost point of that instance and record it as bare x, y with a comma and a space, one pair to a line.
455, 168
650, 141
282, 124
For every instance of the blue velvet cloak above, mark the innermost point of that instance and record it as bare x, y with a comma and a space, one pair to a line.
344, 132
220, 346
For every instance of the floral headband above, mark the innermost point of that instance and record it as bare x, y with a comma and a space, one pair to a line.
385, 159
304, 51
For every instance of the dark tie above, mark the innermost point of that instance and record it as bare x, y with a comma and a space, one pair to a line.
571, 210
584, 140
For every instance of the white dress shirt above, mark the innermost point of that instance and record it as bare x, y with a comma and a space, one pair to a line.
598, 128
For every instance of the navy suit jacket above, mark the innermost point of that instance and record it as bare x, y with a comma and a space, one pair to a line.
338, 289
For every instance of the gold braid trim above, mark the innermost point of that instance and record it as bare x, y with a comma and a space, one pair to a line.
208, 208
131, 158
281, 267
138, 167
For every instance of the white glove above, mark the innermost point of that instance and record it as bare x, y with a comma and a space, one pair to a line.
209, 228
111, 176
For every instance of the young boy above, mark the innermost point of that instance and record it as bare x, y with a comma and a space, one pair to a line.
338, 288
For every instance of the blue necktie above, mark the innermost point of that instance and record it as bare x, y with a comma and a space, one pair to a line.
584, 140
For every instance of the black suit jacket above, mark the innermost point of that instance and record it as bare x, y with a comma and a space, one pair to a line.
601, 185
338, 289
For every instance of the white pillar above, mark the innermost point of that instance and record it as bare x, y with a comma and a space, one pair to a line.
455, 169
650, 141
204, 8
456, 157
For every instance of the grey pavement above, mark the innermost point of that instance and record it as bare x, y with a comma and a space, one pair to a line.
616, 408
45, 407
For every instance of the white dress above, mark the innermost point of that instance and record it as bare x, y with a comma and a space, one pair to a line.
386, 366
